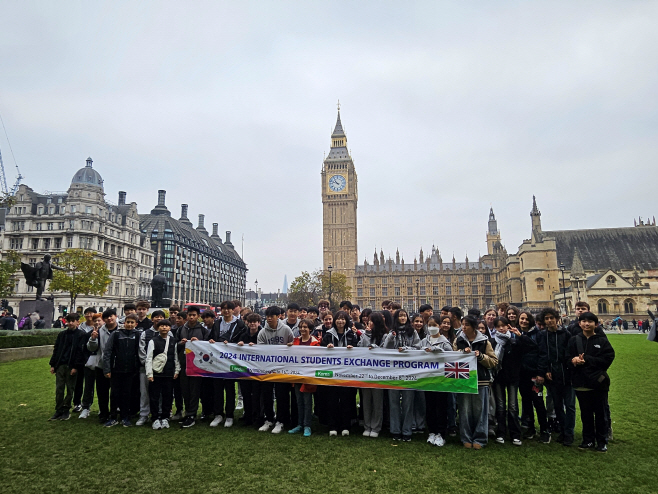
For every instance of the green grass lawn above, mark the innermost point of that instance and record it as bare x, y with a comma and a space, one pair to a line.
81, 456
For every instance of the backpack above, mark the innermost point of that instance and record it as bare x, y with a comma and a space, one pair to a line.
22, 322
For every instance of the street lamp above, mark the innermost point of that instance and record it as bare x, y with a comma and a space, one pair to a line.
564, 290
256, 303
330, 267
416, 300
577, 287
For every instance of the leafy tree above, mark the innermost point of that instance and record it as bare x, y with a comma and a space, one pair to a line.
8, 266
7, 200
309, 288
82, 274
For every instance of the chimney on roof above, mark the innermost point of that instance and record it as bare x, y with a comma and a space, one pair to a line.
161, 197
228, 239
183, 216
122, 198
160, 208
201, 228
215, 235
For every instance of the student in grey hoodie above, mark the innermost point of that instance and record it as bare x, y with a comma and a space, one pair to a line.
373, 398
275, 332
437, 402
401, 401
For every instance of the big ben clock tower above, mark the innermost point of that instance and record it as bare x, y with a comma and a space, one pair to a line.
339, 201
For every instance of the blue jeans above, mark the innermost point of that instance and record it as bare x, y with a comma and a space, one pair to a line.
304, 406
419, 410
474, 416
452, 410
401, 413
564, 401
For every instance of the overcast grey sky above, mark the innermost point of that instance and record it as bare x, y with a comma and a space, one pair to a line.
449, 107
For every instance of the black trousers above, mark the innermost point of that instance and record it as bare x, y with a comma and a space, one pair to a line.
219, 387
283, 410
191, 388
178, 396
79, 385
122, 387
207, 396
103, 385
251, 394
321, 406
161, 388
532, 401
90, 383
267, 398
340, 407
135, 394
436, 412
593, 416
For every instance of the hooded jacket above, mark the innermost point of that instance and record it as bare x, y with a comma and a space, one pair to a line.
349, 338
232, 334
121, 353
532, 353
486, 360
187, 333
246, 337
97, 346
281, 335
555, 357
598, 355
402, 339
513, 353
68, 348
440, 344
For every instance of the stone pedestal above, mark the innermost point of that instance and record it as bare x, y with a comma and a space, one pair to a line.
45, 308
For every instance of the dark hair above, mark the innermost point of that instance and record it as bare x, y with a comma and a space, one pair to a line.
344, 315
580, 303
451, 332
588, 316
491, 310
475, 313
516, 311
192, 308
208, 313
182, 313
253, 317
129, 306
416, 315
237, 303
356, 306
487, 333
309, 323
346, 303
471, 321
504, 320
446, 308
548, 311
142, 303
109, 312
388, 318
531, 318
227, 304
379, 328
313, 309
293, 306
396, 321
365, 313
72, 317
458, 313
164, 322
174, 307
502, 306
303, 309
157, 313
436, 319
90, 309
395, 306
424, 307
132, 317
272, 310
387, 303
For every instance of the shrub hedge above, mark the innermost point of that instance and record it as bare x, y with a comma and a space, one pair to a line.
22, 340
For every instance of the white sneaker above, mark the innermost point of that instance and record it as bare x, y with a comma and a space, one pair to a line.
141, 421
333, 433
439, 441
345, 432
240, 405
278, 427
366, 433
157, 425
164, 423
216, 421
516, 442
84, 414
228, 423
500, 440
431, 437
374, 434
266, 426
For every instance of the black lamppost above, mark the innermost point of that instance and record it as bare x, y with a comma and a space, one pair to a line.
256, 303
330, 267
417, 301
577, 287
564, 290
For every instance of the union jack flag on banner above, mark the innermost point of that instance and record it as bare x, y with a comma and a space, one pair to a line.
457, 370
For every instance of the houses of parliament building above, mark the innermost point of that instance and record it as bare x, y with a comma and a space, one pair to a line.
614, 269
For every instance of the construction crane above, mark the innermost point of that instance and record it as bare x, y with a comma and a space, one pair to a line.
3, 178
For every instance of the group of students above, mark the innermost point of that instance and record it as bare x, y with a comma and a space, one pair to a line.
138, 368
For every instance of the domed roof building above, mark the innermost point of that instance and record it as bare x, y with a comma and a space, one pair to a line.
88, 176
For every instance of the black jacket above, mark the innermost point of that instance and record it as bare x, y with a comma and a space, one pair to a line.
246, 337
555, 355
121, 353
68, 349
331, 336
574, 328
532, 353
232, 335
599, 355
512, 359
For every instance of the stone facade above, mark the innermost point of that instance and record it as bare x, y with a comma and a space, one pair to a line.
81, 217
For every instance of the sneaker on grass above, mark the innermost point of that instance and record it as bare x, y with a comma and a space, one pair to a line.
333, 433
545, 437
126, 422
65, 415
111, 423
216, 421
307, 432
56, 416
500, 440
374, 434
157, 425
177, 416
516, 442
164, 424
77, 409
188, 422
141, 421
266, 426
228, 423
84, 414
295, 430
278, 427
345, 432
439, 441
585, 446
431, 438
240, 404
602, 448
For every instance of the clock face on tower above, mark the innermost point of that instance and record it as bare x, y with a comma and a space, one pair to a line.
337, 183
